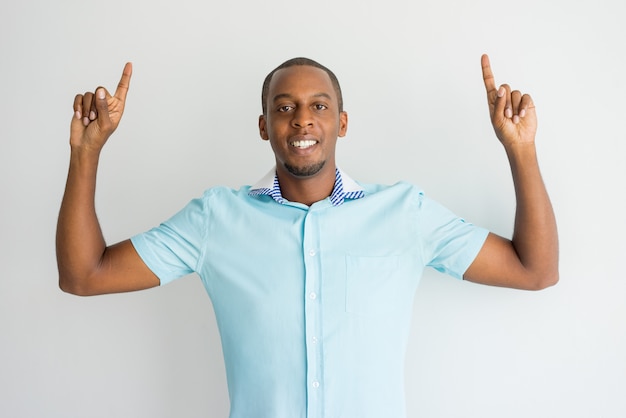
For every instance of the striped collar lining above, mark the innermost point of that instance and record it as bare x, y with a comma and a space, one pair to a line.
345, 188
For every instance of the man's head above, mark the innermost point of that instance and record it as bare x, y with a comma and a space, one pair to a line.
300, 61
302, 118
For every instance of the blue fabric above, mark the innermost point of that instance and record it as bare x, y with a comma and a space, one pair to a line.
313, 303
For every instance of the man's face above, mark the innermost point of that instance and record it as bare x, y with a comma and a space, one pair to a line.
302, 121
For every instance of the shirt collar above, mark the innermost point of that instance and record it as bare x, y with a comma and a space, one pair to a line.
345, 188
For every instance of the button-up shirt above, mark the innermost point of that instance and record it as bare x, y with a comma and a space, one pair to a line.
313, 303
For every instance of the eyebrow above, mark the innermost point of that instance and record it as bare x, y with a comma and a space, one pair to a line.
289, 96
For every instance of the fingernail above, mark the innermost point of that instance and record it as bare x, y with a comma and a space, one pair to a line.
501, 92
100, 93
85, 121
508, 112
522, 113
77, 114
92, 115
515, 119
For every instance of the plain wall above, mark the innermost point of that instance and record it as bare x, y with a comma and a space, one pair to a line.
410, 71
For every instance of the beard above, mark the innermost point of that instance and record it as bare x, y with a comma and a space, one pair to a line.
305, 171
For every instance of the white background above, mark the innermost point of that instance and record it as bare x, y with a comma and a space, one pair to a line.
410, 72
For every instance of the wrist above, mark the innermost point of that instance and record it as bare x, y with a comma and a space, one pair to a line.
84, 156
522, 157
84, 150
520, 149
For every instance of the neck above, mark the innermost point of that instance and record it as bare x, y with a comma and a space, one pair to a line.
306, 190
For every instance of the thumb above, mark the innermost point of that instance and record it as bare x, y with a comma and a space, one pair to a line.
102, 108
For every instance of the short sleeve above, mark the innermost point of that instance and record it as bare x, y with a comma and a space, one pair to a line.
450, 244
173, 249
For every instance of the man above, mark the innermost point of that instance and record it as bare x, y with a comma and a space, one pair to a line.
311, 274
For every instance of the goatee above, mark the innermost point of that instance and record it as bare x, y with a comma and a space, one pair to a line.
305, 171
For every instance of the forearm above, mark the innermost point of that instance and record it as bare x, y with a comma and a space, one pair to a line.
535, 237
80, 243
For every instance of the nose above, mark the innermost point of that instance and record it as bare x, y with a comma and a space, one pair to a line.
302, 118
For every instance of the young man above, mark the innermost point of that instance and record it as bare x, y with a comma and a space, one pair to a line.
311, 274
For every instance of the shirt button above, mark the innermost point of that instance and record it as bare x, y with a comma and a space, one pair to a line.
312, 253
312, 295
314, 340
316, 384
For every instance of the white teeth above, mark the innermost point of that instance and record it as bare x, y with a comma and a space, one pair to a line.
303, 144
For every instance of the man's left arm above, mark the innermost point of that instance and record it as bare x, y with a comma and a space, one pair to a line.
530, 259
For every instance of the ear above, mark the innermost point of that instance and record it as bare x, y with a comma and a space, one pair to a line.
263, 128
343, 124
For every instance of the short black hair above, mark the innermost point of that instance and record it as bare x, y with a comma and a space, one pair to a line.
300, 61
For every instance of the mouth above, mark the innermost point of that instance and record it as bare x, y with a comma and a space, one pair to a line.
303, 143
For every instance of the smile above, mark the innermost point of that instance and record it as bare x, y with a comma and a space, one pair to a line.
303, 144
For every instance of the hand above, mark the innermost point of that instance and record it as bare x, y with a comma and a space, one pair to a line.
96, 116
512, 114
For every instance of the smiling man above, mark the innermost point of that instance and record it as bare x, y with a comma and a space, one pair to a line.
311, 274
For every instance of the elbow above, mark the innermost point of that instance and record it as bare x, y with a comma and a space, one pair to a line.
73, 287
544, 281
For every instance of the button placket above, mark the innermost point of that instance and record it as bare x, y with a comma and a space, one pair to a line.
313, 315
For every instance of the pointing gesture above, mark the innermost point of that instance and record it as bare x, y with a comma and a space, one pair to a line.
96, 116
530, 259
87, 266
512, 114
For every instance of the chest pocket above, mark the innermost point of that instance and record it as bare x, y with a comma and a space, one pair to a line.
378, 285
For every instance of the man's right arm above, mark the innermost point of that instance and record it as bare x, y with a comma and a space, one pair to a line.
86, 265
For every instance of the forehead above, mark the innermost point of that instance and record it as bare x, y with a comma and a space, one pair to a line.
301, 80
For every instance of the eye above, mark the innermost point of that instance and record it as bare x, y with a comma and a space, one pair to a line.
285, 108
320, 106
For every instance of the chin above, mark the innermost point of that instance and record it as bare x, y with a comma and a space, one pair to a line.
305, 170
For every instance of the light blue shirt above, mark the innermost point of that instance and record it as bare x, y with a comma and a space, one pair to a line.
313, 303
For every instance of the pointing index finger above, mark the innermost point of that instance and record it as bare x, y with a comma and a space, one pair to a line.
124, 84
490, 82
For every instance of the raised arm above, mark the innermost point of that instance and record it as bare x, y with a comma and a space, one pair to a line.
530, 259
86, 265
